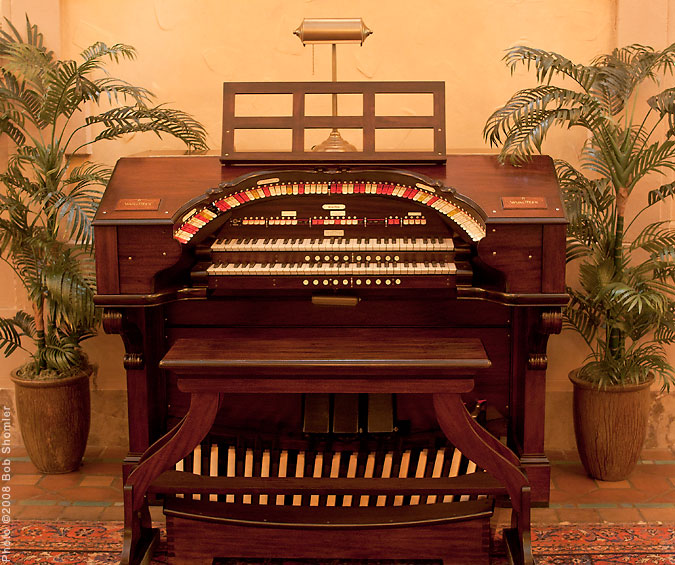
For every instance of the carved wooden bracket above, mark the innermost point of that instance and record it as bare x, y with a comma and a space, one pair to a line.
550, 322
116, 322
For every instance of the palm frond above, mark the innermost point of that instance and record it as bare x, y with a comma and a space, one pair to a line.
130, 119
654, 238
548, 65
10, 338
659, 194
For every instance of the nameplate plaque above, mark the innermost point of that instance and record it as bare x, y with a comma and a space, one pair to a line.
138, 204
524, 202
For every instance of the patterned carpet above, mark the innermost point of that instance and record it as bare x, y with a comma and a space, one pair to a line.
67, 543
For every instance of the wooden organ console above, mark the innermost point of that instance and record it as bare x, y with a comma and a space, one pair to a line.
332, 361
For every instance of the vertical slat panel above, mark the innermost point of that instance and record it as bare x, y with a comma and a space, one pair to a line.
368, 120
439, 116
298, 142
228, 119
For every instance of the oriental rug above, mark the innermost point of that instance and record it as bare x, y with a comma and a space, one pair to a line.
71, 543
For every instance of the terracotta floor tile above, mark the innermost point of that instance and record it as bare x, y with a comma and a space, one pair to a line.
561, 497
24, 479
620, 515
573, 481
658, 514
28, 468
542, 516
82, 512
23, 492
57, 482
662, 470
113, 513
97, 481
650, 484
663, 497
18, 451
579, 515
613, 484
91, 494
612, 495
41, 512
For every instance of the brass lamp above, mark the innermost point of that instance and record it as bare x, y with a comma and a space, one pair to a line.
333, 31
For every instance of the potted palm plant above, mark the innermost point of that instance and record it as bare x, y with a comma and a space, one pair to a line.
622, 303
47, 202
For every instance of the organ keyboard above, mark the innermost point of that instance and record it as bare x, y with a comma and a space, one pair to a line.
249, 299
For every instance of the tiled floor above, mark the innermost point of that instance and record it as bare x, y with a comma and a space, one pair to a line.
95, 491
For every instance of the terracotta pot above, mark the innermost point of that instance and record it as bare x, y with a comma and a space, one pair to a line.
54, 420
610, 426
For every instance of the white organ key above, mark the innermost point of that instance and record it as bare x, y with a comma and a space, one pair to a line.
318, 466
386, 473
454, 470
331, 499
419, 474
299, 473
197, 467
351, 473
436, 472
213, 467
248, 472
402, 474
283, 466
368, 474
180, 467
265, 472
470, 468
231, 469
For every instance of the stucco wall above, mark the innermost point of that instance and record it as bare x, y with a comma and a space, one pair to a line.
187, 48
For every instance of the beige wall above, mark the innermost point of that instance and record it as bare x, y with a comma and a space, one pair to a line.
187, 48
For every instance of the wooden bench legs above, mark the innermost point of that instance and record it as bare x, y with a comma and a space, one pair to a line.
162, 455
202, 538
488, 453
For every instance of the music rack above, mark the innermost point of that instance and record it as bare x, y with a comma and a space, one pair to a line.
298, 122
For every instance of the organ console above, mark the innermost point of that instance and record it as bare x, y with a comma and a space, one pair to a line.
332, 360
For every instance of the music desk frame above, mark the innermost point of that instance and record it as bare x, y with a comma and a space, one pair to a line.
208, 369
